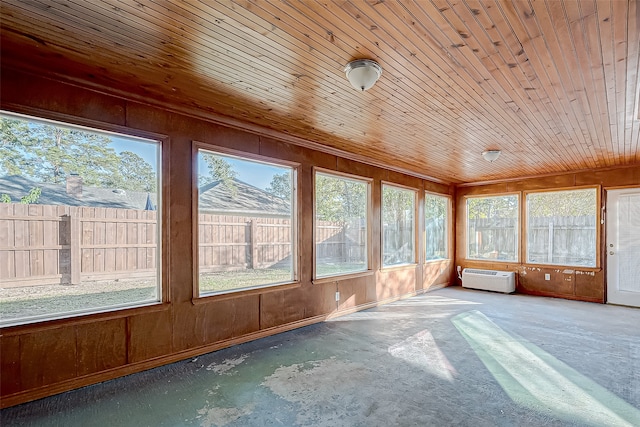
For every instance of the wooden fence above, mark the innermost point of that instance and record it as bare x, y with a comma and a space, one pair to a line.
556, 240
44, 244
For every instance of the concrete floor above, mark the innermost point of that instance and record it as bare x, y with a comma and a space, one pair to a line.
452, 357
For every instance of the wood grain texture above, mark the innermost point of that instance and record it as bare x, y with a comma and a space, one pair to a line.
551, 83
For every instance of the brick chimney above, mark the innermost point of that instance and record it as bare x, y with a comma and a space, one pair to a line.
74, 185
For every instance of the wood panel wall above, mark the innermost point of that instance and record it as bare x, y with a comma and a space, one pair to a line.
42, 359
585, 284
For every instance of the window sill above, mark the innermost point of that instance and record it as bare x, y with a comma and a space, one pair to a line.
434, 261
340, 277
398, 267
239, 293
562, 267
41, 324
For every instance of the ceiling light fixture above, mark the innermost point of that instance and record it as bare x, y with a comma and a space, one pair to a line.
363, 73
491, 155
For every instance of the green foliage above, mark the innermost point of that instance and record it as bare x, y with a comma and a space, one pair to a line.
435, 207
5, 198
280, 185
219, 169
32, 197
570, 203
398, 205
339, 199
135, 174
493, 207
47, 153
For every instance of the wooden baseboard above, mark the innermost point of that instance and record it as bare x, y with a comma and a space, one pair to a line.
71, 384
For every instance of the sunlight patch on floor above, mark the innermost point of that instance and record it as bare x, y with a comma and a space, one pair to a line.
422, 350
537, 380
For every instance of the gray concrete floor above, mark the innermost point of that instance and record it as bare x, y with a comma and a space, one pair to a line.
453, 357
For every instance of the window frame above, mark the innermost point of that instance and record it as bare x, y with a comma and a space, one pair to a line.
448, 212
197, 297
369, 184
416, 226
115, 311
518, 257
598, 227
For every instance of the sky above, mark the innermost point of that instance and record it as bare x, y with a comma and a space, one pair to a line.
257, 174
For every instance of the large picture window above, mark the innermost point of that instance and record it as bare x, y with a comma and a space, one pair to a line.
398, 225
436, 215
341, 224
79, 220
561, 227
492, 228
246, 223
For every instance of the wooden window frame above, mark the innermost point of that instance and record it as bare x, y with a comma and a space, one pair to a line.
44, 322
598, 229
416, 226
369, 210
197, 298
449, 210
518, 258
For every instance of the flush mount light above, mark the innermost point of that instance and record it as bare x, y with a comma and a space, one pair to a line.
491, 155
363, 73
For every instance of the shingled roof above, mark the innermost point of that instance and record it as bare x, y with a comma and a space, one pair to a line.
245, 199
56, 194
214, 198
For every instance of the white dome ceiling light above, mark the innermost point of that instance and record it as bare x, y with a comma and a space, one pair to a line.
363, 73
491, 155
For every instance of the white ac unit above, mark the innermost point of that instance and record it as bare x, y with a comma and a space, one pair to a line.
489, 280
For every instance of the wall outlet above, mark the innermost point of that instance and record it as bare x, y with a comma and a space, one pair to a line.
458, 269
338, 296
547, 276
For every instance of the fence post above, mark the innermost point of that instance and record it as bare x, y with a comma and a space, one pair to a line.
550, 249
253, 247
75, 255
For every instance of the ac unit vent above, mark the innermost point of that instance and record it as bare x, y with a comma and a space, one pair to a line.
489, 280
487, 272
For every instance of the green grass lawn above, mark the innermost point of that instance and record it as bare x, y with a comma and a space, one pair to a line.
228, 280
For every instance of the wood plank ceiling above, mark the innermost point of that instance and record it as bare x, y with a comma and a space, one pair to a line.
553, 84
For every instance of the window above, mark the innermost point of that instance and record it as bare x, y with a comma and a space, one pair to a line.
436, 213
398, 225
246, 223
341, 224
492, 228
79, 221
561, 227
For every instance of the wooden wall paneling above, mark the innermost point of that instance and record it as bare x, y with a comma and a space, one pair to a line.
555, 181
101, 346
436, 273
610, 178
356, 291
20, 92
589, 285
47, 357
10, 365
150, 335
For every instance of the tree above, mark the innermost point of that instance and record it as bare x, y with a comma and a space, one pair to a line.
135, 174
280, 185
339, 199
47, 153
219, 169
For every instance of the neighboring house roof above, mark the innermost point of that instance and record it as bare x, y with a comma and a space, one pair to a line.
214, 198
245, 199
56, 194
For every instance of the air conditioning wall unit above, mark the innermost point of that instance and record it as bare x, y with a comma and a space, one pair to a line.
489, 280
